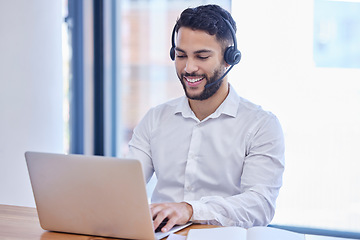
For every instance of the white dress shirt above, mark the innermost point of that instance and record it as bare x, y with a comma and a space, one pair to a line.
228, 166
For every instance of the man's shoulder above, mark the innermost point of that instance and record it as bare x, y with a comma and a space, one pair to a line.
170, 106
249, 108
243, 105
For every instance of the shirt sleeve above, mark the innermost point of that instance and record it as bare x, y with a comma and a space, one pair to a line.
139, 146
261, 180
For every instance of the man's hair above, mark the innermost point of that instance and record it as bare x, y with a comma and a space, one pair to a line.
208, 18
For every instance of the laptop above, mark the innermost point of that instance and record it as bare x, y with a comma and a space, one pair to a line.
92, 195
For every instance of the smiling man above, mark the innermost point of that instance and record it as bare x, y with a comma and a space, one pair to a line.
197, 65
218, 158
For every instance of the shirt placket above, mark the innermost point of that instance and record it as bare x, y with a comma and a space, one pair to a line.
191, 163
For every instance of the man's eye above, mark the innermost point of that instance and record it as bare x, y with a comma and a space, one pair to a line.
180, 56
203, 57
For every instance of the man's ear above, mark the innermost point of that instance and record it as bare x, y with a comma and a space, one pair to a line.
226, 65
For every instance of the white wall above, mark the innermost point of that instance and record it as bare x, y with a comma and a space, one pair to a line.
30, 90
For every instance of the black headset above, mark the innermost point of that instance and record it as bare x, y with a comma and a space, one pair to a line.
232, 55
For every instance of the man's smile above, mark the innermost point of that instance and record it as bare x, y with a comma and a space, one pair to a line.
193, 80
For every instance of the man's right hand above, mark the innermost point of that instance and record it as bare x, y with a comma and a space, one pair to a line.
175, 213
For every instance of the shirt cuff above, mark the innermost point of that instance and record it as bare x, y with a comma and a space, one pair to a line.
201, 213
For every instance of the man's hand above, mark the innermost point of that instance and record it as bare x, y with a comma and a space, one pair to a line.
176, 213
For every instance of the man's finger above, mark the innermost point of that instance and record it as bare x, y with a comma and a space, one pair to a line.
160, 213
169, 225
155, 209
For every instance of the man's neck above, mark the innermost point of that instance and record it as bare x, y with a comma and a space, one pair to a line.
205, 108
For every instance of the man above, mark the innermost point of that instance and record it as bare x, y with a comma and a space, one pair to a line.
218, 158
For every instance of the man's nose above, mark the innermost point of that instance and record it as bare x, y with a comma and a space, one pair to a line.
191, 66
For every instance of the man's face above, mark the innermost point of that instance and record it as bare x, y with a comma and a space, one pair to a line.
198, 61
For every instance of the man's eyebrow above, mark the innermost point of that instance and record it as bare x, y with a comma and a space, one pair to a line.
196, 52
179, 50
203, 51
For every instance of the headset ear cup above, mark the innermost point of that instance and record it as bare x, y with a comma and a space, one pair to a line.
172, 53
237, 56
232, 56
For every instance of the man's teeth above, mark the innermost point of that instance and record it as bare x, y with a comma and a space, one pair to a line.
193, 80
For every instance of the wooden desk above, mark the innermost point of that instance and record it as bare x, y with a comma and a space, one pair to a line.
22, 223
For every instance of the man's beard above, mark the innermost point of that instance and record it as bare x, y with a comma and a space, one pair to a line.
208, 91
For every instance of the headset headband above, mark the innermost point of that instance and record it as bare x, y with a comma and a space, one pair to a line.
232, 55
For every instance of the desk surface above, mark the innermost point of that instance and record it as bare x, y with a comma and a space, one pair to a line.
23, 223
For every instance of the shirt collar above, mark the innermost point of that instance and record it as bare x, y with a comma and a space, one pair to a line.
184, 108
228, 107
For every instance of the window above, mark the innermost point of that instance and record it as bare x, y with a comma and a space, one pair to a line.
146, 72
337, 34
317, 102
